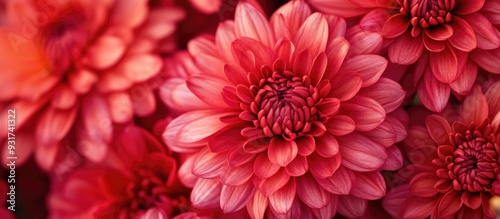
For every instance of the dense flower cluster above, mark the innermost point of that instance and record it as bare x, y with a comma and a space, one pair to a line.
250, 108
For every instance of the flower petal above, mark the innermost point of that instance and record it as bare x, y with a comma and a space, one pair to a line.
351, 206
433, 93
312, 194
340, 183
263, 167
250, 22
281, 201
438, 128
366, 113
395, 26
422, 185
312, 35
323, 167
369, 186
327, 145
475, 107
208, 164
360, 153
468, 7
234, 198
440, 33
449, 204
281, 151
463, 37
405, 49
486, 34
206, 193
369, 67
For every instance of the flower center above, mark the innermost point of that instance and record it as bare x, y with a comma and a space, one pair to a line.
428, 13
283, 103
146, 191
473, 165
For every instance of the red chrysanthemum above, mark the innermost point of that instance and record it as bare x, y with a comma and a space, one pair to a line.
446, 40
85, 61
283, 121
137, 179
455, 162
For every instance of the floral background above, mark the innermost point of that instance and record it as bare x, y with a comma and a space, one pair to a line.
250, 109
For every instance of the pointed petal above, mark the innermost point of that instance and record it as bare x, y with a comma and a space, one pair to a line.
208, 89
263, 167
345, 86
351, 206
235, 176
394, 160
366, 113
327, 145
54, 125
282, 151
323, 167
298, 166
250, 22
336, 51
444, 65
257, 205
395, 26
405, 49
312, 194
369, 186
369, 67
487, 59
449, 204
464, 37
272, 184
206, 193
466, 79
312, 35
438, 128
475, 107
233, 198
422, 185
433, 93
486, 34
387, 92
208, 164
340, 183
360, 153
281, 201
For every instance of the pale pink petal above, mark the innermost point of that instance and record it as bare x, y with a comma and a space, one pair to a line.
433, 93
351, 206
224, 36
343, 8
369, 67
53, 125
475, 107
176, 95
233, 198
366, 113
206, 7
207, 164
395, 26
360, 153
280, 28
312, 194
139, 68
185, 175
272, 184
312, 35
282, 151
64, 97
406, 50
294, 14
336, 51
369, 186
250, 22
387, 92
281, 201
235, 176
284, 49
105, 52
206, 193
121, 107
204, 51
208, 89
257, 206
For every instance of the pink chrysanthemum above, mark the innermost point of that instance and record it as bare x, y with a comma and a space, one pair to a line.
283, 121
79, 64
455, 162
446, 40
138, 180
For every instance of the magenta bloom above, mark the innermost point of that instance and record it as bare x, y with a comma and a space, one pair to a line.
446, 40
138, 180
455, 162
283, 122
79, 64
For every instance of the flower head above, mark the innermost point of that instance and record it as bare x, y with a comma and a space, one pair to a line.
453, 175
138, 179
445, 40
283, 121
82, 65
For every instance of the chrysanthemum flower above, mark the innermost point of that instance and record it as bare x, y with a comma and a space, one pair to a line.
446, 40
85, 61
455, 162
284, 122
137, 180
